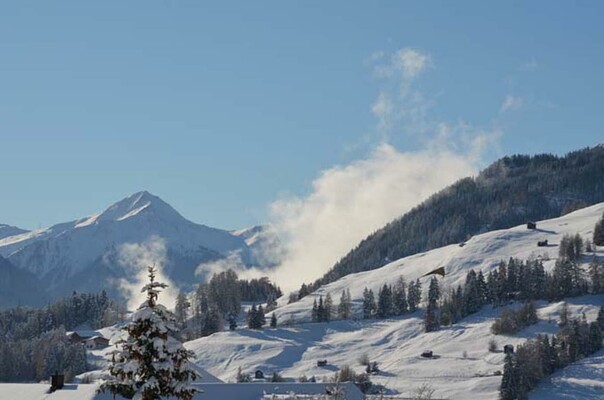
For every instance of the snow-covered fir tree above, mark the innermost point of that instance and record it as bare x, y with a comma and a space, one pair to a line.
384, 305
368, 303
414, 295
328, 308
399, 297
149, 362
274, 320
432, 316
345, 306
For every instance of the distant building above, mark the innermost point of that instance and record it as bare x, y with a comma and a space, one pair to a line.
74, 337
96, 342
531, 225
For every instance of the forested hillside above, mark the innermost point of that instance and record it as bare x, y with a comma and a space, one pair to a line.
511, 191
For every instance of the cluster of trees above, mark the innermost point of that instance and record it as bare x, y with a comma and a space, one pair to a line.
34, 359
510, 192
514, 280
521, 281
34, 343
512, 321
540, 357
392, 300
219, 300
255, 317
571, 247
323, 310
96, 310
257, 290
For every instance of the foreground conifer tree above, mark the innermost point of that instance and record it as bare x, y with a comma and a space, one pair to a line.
149, 363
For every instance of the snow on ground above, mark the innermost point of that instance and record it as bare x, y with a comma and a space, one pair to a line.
396, 344
461, 351
581, 380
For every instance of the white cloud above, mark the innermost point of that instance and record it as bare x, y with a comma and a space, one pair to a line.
233, 262
408, 63
511, 103
349, 202
136, 257
383, 109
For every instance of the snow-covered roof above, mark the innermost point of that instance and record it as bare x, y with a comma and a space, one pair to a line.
211, 391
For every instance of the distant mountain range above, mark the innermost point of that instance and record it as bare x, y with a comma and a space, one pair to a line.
88, 254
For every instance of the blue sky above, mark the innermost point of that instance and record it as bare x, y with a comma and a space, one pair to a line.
221, 109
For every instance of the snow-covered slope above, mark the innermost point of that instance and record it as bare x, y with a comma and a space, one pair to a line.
463, 367
481, 252
84, 254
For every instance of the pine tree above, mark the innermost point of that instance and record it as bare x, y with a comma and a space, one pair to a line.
509, 382
328, 308
345, 306
399, 297
600, 319
414, 295
274, 320
431, 316
232, 319
260, 317
596, 275
181, 309
595, 337
320, 310
384, 306
150, 363
368, 303
598, 238
252, 317
315, 311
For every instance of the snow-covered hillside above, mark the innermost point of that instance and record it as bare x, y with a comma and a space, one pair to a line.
463, 367
85, 254
482, 252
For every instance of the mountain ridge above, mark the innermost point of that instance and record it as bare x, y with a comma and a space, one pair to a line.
87, 253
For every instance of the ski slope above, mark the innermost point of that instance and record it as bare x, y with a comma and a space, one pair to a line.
462, 367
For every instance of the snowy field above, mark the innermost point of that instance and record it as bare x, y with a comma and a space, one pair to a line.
461, 351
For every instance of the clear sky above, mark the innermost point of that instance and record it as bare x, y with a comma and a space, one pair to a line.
220, 109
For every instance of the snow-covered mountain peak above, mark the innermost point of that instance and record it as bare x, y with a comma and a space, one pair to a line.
134, 205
